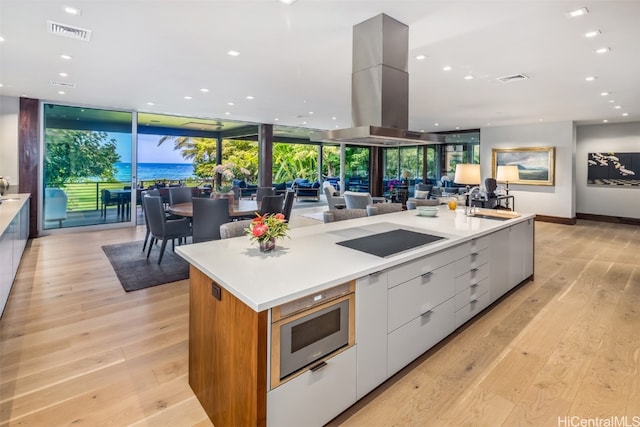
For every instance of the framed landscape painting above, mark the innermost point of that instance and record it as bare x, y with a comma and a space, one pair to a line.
536, 165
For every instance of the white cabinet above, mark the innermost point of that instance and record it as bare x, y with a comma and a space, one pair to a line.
419, 335
499, 261
314, 398
511, 257
12, 242
371, 332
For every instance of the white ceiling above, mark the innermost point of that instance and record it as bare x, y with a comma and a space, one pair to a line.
296, 60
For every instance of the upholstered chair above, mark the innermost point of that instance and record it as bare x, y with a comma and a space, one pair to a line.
343, 214
414, 203
355, 200
332, 196
383, 208
234, 229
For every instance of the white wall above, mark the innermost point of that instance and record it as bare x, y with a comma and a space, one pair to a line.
9, 108
598, 200
558, 200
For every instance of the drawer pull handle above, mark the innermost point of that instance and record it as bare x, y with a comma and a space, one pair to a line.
427, 274
473, 301
475, 285
427, 313
474, 270
377, 273
319, 366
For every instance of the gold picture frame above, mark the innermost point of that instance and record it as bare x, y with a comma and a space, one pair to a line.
535, 164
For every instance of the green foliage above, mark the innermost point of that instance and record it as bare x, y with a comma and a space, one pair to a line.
202, 151
291, 161
75, 155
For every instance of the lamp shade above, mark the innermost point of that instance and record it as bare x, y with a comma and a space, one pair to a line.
467, 174
507, 174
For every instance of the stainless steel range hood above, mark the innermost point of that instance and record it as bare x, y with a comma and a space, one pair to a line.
379, 88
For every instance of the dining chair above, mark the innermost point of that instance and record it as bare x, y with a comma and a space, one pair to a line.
106, 200
234, 228
288, 204
208, 216
355, 200
343, 214
383, 208
162, 228
264, 191
272, 204
179, 195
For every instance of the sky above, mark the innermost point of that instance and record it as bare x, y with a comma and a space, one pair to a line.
148, 149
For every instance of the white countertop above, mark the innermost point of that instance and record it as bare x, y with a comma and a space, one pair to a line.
310, 260
10, 206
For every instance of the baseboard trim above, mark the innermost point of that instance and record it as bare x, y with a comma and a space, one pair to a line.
556, 219
608, 218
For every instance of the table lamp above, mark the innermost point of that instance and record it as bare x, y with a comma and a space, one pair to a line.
467, 174
506, 174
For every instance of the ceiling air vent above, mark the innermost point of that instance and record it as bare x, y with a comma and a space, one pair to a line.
62, 84
512, 78
68, 31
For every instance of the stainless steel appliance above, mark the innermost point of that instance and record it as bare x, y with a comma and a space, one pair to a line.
308, 331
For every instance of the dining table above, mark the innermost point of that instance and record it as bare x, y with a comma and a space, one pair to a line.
241, 208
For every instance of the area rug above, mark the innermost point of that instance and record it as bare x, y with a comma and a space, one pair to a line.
136, 272
318, 216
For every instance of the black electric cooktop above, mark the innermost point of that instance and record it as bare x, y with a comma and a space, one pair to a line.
390, 242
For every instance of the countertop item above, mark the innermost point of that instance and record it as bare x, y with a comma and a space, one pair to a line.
311, 260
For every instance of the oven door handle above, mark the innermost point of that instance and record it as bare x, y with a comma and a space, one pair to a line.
318, 366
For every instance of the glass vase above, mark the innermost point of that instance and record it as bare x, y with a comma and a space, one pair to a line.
268, 245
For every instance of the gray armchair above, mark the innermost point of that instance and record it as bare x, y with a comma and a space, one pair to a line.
332, 198
355, 200
383, 208
343, 214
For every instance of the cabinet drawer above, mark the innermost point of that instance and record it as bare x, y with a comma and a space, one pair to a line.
314, 398
479, 243
471, 293
413, 269
419, 295
477, 258
471, 309
414, 338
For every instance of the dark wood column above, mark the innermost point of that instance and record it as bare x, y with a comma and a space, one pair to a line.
29, 157
265, 155
376, 172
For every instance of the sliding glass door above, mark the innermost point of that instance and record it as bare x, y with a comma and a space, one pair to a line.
87, 167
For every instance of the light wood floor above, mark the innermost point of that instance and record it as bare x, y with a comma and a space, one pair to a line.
75, 349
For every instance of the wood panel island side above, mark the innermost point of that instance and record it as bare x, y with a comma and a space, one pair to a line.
403, 304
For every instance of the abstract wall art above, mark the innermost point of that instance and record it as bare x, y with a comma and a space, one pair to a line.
614, 169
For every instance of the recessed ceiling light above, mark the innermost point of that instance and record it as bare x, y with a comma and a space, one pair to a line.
227, 113
436, 124
65, 56
625, 114
72, 11
1, 85
605, 121
188, 97
151, 103
63, 74
593, 33
421, 57
1, 39
447, 68
288, 1
617, 107
231, 104
311, 113
204, 90
611, 101
233, 53
249, 97
276, 119
577, 12
590, 78
61, 92
603, 50
605, 93
457, 127
333, 118
468, 77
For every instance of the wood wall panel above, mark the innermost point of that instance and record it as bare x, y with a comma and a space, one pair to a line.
227, 355
29, 157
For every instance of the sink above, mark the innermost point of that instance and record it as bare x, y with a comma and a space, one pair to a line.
499, 218
10, 199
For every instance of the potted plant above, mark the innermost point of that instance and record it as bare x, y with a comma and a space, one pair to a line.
265, 229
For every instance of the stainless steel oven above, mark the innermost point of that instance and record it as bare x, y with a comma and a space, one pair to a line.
309, 330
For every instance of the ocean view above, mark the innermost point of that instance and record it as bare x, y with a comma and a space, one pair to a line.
154, 171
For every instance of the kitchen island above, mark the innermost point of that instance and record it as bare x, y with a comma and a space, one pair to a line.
14, 232
404, 304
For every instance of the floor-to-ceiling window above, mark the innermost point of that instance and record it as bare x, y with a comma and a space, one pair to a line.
356, 174
87, 174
